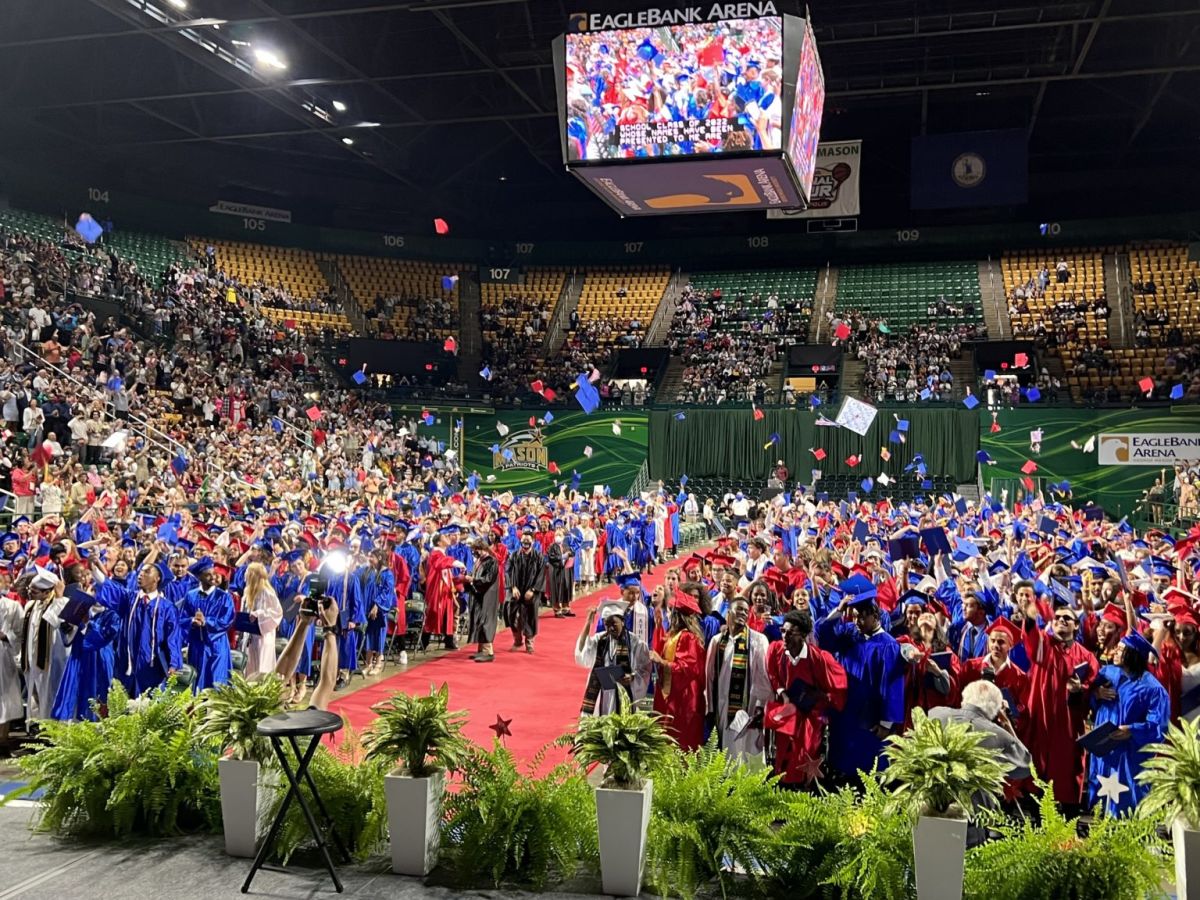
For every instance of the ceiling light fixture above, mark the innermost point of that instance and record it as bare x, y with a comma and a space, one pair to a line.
348, 141
339, 106
269, 58
367, 125
178, 4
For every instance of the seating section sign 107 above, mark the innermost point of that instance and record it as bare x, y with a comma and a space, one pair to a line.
687, 111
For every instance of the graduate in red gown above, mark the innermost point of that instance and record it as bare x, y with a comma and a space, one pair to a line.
996, 667
799, 670
443, 580
931, 678
1057, 702
680, 658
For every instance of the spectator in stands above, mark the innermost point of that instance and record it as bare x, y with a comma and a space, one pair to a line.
1062, 271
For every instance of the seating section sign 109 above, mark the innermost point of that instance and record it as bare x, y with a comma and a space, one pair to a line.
699, 100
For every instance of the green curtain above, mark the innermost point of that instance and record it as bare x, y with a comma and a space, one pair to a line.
729, 443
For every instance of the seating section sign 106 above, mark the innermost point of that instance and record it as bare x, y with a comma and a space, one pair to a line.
687, 111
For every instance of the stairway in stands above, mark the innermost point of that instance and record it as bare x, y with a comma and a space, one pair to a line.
346, 300
1117, 290
470, 334
568, 300
995, 303
963, 371
671, 381
852, 377
823, 302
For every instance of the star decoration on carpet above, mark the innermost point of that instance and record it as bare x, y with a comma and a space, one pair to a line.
1111, 788
501, 727
812, 768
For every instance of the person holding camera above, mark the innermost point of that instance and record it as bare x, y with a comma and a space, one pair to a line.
323, 613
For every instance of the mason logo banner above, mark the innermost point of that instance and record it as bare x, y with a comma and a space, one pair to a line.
522, 450
1146, 449
835, 189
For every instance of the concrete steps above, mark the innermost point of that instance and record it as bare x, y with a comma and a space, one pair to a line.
994, 301
824, 301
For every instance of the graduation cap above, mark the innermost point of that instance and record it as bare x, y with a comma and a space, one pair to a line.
448, 283
441, 226
1032, 394
860, 589
1061, 593
867, 484
935, 540
970, 401
88, 228
1002, 623
1147, 385
629, 579
989, 375
907, 546
313, 413
1177, 392
913, 598
1138, 644
201, 565
359, 377
842, 331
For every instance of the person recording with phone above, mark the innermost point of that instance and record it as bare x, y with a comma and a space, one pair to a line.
322, 612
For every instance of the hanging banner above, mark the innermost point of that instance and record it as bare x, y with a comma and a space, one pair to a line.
835, 188
1134, 448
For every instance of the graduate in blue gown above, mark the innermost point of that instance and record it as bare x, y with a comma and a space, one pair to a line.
207, 614
616, 548
875, 675
378, 587
148, 648
177, 581
89, 670
344, 588
460, 551
1132, 699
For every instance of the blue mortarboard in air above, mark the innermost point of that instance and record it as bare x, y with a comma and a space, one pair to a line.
586, 394
88, 228
852, 496
894, 437
679, 416
495, 448
507, 453
359, 377
926, 393
116, 383
867, 484
472, 482
683, 480
428, 418
970, 401
448, 282
168, 531
773, 437
1033, 395
902, 424
1177, 392
982, 456
960, 506
814, 401
989, 375
179, 464
485, 373
276, 424
547, 418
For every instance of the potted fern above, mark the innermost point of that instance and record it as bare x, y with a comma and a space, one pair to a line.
1172, 774
941, 773
230, 714
426, 738
628, 743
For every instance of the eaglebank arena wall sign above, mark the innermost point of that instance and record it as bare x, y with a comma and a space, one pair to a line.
652, 18
1145, 449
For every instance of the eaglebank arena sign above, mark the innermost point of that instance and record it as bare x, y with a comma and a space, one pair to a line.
1144, 449
652, 18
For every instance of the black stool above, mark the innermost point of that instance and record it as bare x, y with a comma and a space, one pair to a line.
311, 723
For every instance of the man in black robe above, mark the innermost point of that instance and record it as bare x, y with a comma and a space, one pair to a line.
560, 575
483, 586
526, 580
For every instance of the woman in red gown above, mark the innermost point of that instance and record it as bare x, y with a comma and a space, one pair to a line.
679, 696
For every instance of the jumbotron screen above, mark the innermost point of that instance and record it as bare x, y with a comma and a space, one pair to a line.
682, 90
805, 129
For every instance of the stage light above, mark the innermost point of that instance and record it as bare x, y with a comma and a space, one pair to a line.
178, 4
269, 58
348, 141
336, 562
339, 106
367, 125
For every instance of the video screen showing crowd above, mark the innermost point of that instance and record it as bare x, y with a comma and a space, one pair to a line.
701, 88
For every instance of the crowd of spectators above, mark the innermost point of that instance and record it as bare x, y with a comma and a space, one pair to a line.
199, 398
728, 347
431, 315
911, 366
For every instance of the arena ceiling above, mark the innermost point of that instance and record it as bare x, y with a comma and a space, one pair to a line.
449, 105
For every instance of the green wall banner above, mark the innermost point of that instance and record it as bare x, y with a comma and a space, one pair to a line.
731, 443
1117, 488
572, 442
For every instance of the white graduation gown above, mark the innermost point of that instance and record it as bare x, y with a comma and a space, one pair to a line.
639, 661
42, 684
260, 648
11, 619
748, 746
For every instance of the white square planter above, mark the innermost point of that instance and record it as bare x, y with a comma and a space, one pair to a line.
414, 808
1187, 860
245, 801
622, 817
940, 847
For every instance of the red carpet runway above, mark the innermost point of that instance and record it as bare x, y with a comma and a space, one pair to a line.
540, 693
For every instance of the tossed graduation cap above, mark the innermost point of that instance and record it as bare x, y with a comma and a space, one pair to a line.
313, 413
449, 281
970, 401
586, 394
485, 373
204, 564
680, 416
441, 226
926, 393
276, 424
88, 228
359, 377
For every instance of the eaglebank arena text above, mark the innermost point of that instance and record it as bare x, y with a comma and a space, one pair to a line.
650, 18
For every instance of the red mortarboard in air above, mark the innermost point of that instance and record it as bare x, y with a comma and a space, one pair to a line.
819, 454
1030, 467
842, 331
451, 345
852, 461
441, 226
313, 413
1147, 385
758, 414
1021, 360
